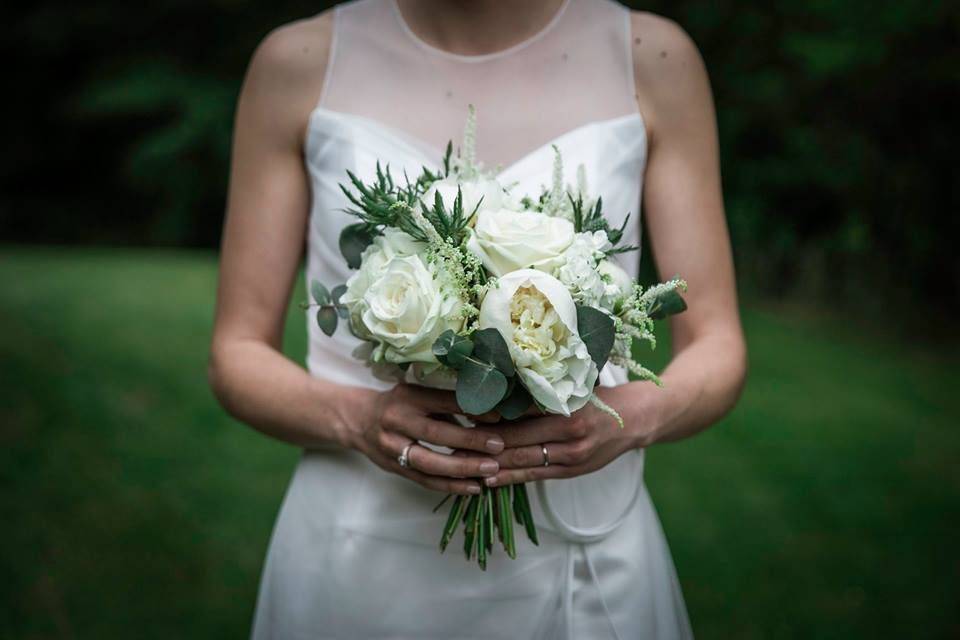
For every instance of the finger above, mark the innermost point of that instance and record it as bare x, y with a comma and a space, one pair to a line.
441, 464
435, 483
541, 429
433, 400
566, 453
519, 476
447, 435
421, 458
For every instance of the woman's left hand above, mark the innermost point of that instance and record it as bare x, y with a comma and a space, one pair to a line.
586, 441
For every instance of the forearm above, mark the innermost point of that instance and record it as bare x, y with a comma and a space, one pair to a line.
261, 387
700, 386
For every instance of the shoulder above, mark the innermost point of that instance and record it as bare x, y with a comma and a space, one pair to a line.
670, 72
296, 49
285, 75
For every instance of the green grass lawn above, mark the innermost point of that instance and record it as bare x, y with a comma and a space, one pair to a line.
824, 506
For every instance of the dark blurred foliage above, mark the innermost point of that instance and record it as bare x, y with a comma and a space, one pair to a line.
838, 122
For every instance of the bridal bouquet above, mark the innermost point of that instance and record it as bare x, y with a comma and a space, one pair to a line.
511, 299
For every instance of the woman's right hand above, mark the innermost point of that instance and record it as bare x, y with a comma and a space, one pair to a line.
386, 422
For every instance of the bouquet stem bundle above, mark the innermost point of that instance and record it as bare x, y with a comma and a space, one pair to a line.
492, 512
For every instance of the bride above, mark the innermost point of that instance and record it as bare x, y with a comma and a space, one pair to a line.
354, 550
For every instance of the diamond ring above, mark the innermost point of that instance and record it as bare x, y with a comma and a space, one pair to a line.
404, 457
546, 456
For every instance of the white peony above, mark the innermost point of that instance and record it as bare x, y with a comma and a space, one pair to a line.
398, 301
537, 318
487, 194
579, 269
509, 240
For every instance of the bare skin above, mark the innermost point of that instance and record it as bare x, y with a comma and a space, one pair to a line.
264, 237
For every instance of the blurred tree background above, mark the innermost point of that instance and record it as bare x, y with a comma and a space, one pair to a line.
838, 123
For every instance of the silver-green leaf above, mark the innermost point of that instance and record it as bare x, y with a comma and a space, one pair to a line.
597, 332
327, 319
480, 387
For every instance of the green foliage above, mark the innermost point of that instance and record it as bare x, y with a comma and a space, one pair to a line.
485, 372
597, 332
592, 219
451, 223
451, 349
667, 303
328, 306
327, 320
382, 203
354, 239
319, 292
516, 402
490, 347
480, 387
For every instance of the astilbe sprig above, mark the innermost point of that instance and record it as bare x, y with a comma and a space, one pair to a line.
464, 270
633, 321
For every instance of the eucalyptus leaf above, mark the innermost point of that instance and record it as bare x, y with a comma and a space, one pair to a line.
490, 347
666, 304
335, 295
480, 387
354, 239
452, 349
597, 332
327, 319
516, 403
319, 292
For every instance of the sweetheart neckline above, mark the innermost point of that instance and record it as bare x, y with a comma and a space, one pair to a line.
431, 154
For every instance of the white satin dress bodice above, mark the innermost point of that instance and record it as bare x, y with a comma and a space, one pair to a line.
354, 550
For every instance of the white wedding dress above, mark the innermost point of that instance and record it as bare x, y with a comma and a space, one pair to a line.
354, 551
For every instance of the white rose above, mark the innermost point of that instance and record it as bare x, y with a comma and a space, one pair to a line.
618, 282
392, 243
487, 194
509, 240
537, 318
399, 302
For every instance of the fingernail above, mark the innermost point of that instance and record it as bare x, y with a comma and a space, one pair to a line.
494, 445
474, 489
491, 481
489, 468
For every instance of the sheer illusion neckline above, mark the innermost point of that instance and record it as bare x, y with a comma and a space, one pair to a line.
432, 154
523, 44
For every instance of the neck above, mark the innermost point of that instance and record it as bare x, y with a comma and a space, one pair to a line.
476, 27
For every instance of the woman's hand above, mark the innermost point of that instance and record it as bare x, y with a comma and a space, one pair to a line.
586, 441
391, 420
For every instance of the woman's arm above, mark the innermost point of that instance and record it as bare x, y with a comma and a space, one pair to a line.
263, 243
262, 246
688, 233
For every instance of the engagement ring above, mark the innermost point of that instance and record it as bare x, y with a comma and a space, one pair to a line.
404, 457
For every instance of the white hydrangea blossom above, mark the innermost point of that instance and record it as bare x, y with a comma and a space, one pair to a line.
579, 271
